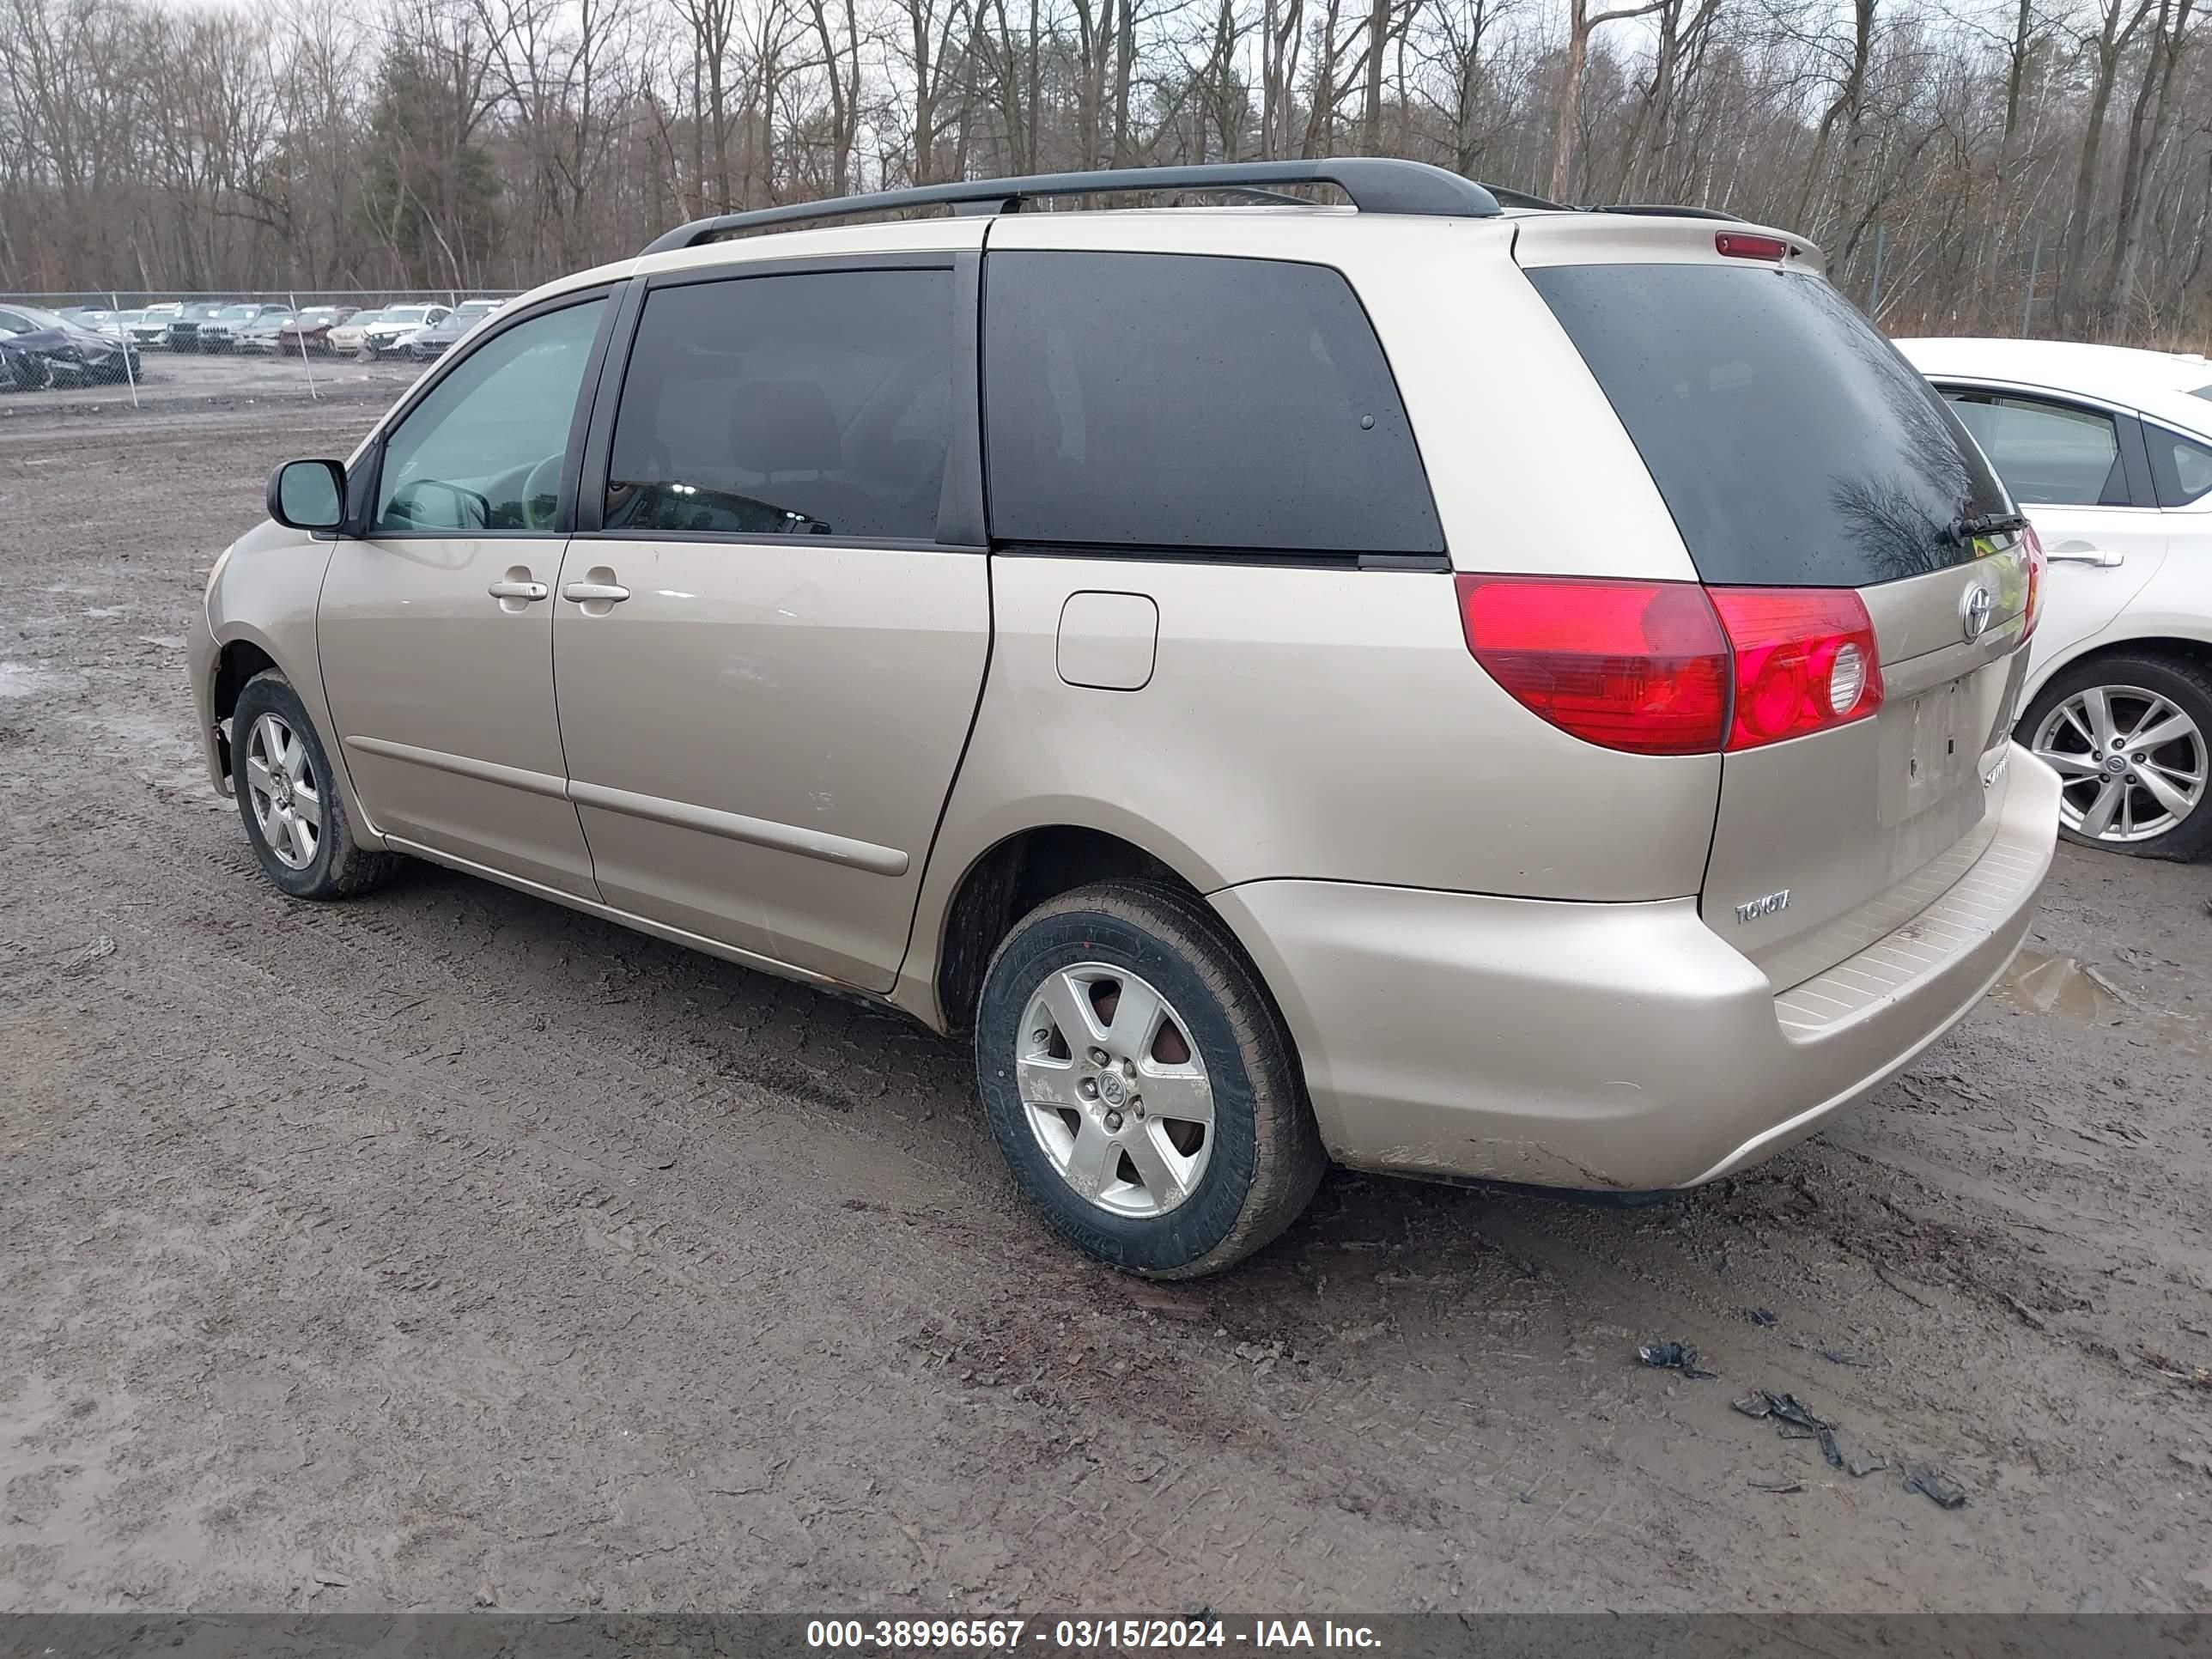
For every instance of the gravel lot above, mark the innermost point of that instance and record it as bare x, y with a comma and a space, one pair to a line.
448, 1249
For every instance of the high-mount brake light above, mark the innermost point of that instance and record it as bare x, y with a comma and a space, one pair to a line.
1672, 668
1737, 244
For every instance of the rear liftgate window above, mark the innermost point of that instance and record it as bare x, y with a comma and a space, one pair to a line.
1795, 447
1188, 403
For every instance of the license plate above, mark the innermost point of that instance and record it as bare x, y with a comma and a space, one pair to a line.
1930, 749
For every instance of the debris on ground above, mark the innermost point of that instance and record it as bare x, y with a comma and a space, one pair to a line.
1777, 1484
1863, 1464
1760, 1317
82, 958
1843, 1357
1947, 1494
1830, 1450
2195, 1377
1786, 1407
1672, 1356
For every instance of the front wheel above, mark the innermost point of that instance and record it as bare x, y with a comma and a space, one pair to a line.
294, 815
2130, 737
1140, 1081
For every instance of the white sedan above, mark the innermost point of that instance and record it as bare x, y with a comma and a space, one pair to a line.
2108, 450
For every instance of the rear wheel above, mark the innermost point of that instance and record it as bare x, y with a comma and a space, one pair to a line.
2130, 737
1140, 1083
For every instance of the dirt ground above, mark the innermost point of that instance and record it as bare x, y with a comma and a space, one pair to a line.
450, 1249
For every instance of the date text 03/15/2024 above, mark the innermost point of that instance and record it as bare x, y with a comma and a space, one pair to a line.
987, 1636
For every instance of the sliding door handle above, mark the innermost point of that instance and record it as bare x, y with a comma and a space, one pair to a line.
585, 592
514, 590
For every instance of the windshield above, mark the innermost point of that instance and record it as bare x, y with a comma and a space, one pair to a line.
1793, 445
39, 318
239, 313
362, 318
407, 314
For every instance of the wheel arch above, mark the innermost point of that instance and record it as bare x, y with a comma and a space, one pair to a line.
243, 651
955, 936
2188, 639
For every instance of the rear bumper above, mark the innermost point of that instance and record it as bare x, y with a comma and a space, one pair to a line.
1613, 1046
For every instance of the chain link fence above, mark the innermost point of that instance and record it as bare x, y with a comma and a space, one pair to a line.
139, 348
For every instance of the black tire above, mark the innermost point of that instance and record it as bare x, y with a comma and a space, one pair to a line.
2182, 681
340, 868
1265, 1156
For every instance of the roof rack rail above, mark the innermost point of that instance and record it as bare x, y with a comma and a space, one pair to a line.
1376, 185
1662, 210
1528, 201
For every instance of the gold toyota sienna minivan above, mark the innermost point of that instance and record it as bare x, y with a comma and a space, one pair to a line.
1448, 683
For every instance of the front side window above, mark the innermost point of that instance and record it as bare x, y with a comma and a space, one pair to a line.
2180, 468
808, 405
2048, 454
483, 449
1178, 401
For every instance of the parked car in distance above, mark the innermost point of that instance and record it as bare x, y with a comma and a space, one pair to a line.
431, 340
185, 327
260, 336
151, 331
382, 337
221, 333
351, 337
312, 327
41, 350
1573, 749
2109, 450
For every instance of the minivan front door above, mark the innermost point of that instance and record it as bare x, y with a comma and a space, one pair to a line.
436, 628
766, 660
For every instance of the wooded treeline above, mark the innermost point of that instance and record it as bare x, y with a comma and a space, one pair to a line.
1958, 144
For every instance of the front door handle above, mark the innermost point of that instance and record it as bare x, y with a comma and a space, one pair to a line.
598, 593
511, 589
2104, 558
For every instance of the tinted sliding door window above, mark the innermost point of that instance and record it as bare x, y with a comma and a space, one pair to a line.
484, 449
1176, 401
808, 405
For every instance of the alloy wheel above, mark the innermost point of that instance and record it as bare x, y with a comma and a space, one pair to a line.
1115, 1090
286, 795
2131, 764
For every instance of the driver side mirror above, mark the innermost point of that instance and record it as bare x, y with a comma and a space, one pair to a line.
308, 495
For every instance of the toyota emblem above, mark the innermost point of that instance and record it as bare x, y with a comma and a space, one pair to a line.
1974, 612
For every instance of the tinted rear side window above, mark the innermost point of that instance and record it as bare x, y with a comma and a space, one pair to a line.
2047, 454
812, 404
1793, 445
1181, 401
2180, 468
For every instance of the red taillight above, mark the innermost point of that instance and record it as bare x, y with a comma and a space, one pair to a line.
1805, 660
2033, 543
1636, 666
1672, 668
1737, 246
